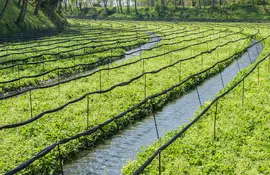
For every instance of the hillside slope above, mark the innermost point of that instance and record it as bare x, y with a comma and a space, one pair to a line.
8, 26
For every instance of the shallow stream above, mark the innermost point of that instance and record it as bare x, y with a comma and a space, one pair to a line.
109, 157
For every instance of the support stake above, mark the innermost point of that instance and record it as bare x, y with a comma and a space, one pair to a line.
238, 64
258, 75
243, 92
269, 64
19, 76
202, 62
154, 116
159, 162
43, 70
60, 160
258, 53
145, 86
215, 121
180, 67
88, 113
143, 65
198, 95
221, 76
100, 80
31, 106
74, 70
58, 80
249, 56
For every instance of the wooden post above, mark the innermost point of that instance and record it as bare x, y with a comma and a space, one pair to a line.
238, 64
243, 92
31, 106
60, 159
215, 121
258, 75
87, 111
198, 95
221, 76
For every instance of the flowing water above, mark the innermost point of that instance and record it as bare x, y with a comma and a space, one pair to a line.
109, 157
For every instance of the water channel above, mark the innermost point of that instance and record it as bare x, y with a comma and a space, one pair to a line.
109, 157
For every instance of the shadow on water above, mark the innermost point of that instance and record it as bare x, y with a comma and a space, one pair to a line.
109, 157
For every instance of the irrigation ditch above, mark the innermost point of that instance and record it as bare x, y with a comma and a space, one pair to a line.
198, 92
110, 156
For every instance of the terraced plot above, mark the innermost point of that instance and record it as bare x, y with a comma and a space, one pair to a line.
229, 135
73, 94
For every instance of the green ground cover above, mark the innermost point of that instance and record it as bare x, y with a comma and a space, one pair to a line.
72, 119
242, 132
82, 43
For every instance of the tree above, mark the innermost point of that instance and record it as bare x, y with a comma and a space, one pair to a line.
77, 5
38, 4
19, 2
162, 6
135, 4
117, 6
59, 5
120, 5
105, 2
128, 6
181, 2
192, 3
80, 5
152, 3
199, 4
213, 4
22, 12
4, 9
65, 2
70, 8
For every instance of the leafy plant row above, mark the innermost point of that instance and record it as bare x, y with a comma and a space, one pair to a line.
29, 38
70, 121
191, 80
131, 30
13, 60
69, 70
83, 33
95, 46
241, 140
124, 84
108, 60
40, 62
